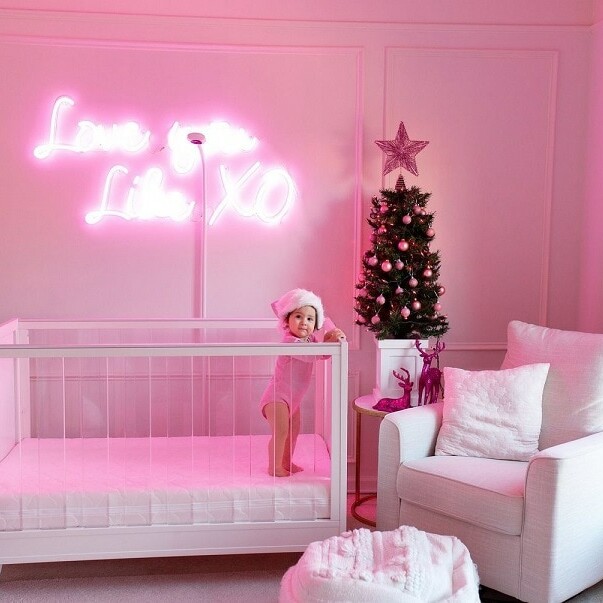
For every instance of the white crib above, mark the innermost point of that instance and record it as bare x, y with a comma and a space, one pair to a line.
140, 438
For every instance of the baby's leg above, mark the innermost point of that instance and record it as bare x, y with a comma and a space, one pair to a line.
291, 443
277, 414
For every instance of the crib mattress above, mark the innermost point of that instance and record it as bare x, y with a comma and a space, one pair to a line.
101, 482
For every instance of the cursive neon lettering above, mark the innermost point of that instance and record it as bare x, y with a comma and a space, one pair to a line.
232, 192
226, 139
91, 136
259, 204
183, 155
127, 137
220, 138
146, 199
44, 150
92, 217
270, 181
152, 201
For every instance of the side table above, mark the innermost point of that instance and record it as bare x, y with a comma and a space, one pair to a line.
362, 406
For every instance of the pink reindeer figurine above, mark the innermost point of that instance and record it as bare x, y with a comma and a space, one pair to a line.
392, 404
429, 381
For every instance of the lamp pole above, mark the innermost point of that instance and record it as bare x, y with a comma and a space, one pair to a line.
199, 279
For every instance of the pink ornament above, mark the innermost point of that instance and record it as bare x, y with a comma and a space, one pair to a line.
399, 264
375, 320
383, 209
373, 261
413, 282
361, 320
403, 245
437, 307
416, 305
362, 293
399, 290
407, 220
380, 300
416, 209
386, 266
441, 290
430, 232
381, 230
405, 312
428, 273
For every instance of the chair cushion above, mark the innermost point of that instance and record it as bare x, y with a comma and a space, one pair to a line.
484, 492
492, 414
572, 403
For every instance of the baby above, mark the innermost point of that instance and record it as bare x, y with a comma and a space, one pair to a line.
300, 313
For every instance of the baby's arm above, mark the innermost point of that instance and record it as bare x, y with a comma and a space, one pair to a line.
332, 333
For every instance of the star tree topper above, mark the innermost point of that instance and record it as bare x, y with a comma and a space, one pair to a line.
401, 151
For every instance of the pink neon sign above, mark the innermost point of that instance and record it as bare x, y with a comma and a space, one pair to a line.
273, 191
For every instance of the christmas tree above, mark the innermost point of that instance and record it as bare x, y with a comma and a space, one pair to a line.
399, 292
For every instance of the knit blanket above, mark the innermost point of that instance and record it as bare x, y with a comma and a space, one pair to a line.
403, 565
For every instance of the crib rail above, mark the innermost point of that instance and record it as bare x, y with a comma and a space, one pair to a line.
193, 349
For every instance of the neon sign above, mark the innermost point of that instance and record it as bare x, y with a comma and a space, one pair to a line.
220, 138
147, 197
90, 136
257, 208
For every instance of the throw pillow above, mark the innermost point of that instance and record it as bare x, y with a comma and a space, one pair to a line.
492, 414
572, 404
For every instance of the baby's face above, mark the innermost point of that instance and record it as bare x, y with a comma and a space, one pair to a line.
302, 321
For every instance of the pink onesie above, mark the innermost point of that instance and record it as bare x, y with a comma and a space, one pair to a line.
291, 379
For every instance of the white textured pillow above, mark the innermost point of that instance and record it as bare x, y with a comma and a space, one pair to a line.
572, 404
492, 414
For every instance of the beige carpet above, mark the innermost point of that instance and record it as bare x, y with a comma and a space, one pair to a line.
215, 579
253, 578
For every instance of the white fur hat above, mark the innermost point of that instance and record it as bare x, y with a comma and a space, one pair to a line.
297, 298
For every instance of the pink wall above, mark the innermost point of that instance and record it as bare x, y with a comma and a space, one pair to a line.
591, 294
506, 93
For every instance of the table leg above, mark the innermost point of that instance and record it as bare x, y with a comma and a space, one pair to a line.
359, 500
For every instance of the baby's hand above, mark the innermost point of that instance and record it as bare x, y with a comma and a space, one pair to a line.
334, 335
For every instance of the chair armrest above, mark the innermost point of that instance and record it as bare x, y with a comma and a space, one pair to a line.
403, 435
563, 518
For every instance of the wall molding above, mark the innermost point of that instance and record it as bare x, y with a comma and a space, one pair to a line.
346, 18
475, 346
547, 62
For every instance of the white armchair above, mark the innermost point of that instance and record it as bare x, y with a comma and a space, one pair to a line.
534, 528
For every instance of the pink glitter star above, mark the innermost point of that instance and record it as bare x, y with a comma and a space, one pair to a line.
401, 151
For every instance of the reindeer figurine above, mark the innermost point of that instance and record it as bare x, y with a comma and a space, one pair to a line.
392, 404
429, 381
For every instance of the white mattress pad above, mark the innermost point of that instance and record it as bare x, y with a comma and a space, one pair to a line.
99, 482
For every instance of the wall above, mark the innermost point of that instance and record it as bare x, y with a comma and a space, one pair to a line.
499, 89
591, 292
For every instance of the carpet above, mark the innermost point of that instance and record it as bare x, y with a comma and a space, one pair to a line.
186, 583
